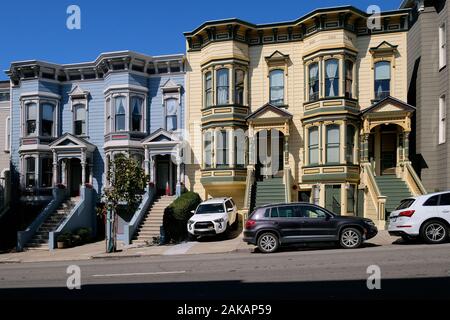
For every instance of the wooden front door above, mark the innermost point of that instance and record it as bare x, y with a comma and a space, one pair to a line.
388, 153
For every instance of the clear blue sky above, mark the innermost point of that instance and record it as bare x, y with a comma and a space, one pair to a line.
37, 29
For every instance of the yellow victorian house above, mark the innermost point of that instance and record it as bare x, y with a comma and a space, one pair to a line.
306, 110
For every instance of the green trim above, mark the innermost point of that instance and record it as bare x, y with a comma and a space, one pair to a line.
221, 180
330, 177
239, 124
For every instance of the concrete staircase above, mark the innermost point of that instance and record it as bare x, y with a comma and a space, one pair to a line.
40, 239
270, 190
395, 189
150, 225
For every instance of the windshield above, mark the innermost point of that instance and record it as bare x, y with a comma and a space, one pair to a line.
405, 203
210, 208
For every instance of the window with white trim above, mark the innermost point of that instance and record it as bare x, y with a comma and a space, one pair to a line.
442, 119
79, 119
136, 113
171, 114
332, 78
30, 172
120, 103
47, 124
332, 142
313, 145
442, 46
222, 147
31, 119
8, 134
207, 149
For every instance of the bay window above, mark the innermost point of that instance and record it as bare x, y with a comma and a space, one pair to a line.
348, 79
31, 119
313, 81
79, 123
208, 89
332, 147
382, 79
331, 78
108, 115
276, 79
239, 148
47, 172
222, 154
47, 119
223, 86
136, 114
171, 114
30, 172
207, 149
350, 144
239, 87
313, 145
120, 113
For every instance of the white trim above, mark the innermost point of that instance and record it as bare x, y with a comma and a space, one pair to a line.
7, 132
442, 49
125, 87
442, 124
39, 94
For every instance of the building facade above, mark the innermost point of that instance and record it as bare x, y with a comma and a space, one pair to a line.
69, 121
429, 89
5, 138
313, 109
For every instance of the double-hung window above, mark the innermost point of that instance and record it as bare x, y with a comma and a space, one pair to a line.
276, 78
79, 123
442, 46
442, 119
47, 119
239, 87
120, 113
222, 154
171, 114
30, 176
313, 81
207, 149
382, 79
136, 114
331, 78
313, 145
223, 86
350, 144
208, 89
31, 119
47, 172
348, 79
332, 143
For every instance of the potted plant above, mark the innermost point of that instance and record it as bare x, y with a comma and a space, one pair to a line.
63, 240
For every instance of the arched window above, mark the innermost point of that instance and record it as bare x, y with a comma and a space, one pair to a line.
348, 79
332, 143
331, 78
171, 114
276, 78
208, 89
382, 79
47, 119
79, 123
313, 145
239, 87
350, 144
223, 86
31, 116
136, 114
313, 81
120, 113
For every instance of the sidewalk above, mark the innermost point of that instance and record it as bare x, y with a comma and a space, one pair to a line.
97, 250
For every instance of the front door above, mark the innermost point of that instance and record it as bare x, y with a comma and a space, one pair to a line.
269, 156
388, 153
333, 198
75, 177
162, 176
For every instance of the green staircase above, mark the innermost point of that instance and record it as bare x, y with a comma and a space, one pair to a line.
270, 190
395, 189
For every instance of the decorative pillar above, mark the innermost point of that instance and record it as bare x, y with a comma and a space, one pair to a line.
146, 160
232, 148
286, 150
152, 169
83, 167
55, 169
64, 172
37, 181
91, 173
406, 146
365, 148
178, 186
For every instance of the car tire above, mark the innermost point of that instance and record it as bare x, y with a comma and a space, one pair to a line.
434, 232
235, 224
268, 242
191, 237
350, 238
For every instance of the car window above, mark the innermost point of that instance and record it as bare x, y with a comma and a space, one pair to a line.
232, 202
286, 211
313, 212
267, 212
433, 201
210, 208
445, 199
274, 212
405, 203
228, 204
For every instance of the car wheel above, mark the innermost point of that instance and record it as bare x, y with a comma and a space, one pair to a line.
268, 242
235, 225
434, 232
350, 238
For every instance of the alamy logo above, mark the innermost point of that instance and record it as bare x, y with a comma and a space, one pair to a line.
74, 19
74, 279
374, 20
374, 279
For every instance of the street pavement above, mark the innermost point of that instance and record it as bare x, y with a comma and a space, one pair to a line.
408, 271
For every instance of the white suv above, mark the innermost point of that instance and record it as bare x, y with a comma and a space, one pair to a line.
213, 216
427, 217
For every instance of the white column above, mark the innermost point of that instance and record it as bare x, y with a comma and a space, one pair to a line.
146, 161
91, 174
55, 169
64, 172
232, 148
36, 172
83, 167
152, 169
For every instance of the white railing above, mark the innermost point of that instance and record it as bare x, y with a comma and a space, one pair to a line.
250, 180
412, 179
287, 184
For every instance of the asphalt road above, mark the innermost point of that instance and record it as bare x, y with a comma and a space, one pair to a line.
413, 271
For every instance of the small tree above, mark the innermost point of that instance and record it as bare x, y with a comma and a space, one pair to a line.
127, 183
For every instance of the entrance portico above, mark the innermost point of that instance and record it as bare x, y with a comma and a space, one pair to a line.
163, 161
72, 162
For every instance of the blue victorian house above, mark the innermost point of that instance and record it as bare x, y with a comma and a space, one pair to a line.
69, 121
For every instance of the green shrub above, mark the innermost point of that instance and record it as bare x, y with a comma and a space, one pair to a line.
177, 214
84, 234
65, 237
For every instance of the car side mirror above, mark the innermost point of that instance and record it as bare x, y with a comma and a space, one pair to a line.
192, 211
229, 209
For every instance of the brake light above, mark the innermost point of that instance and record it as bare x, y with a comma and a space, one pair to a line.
407, 213
250, 224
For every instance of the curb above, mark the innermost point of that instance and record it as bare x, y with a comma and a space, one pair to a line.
10, 261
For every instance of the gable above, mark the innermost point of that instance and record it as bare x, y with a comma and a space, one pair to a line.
67, 142
269, 111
